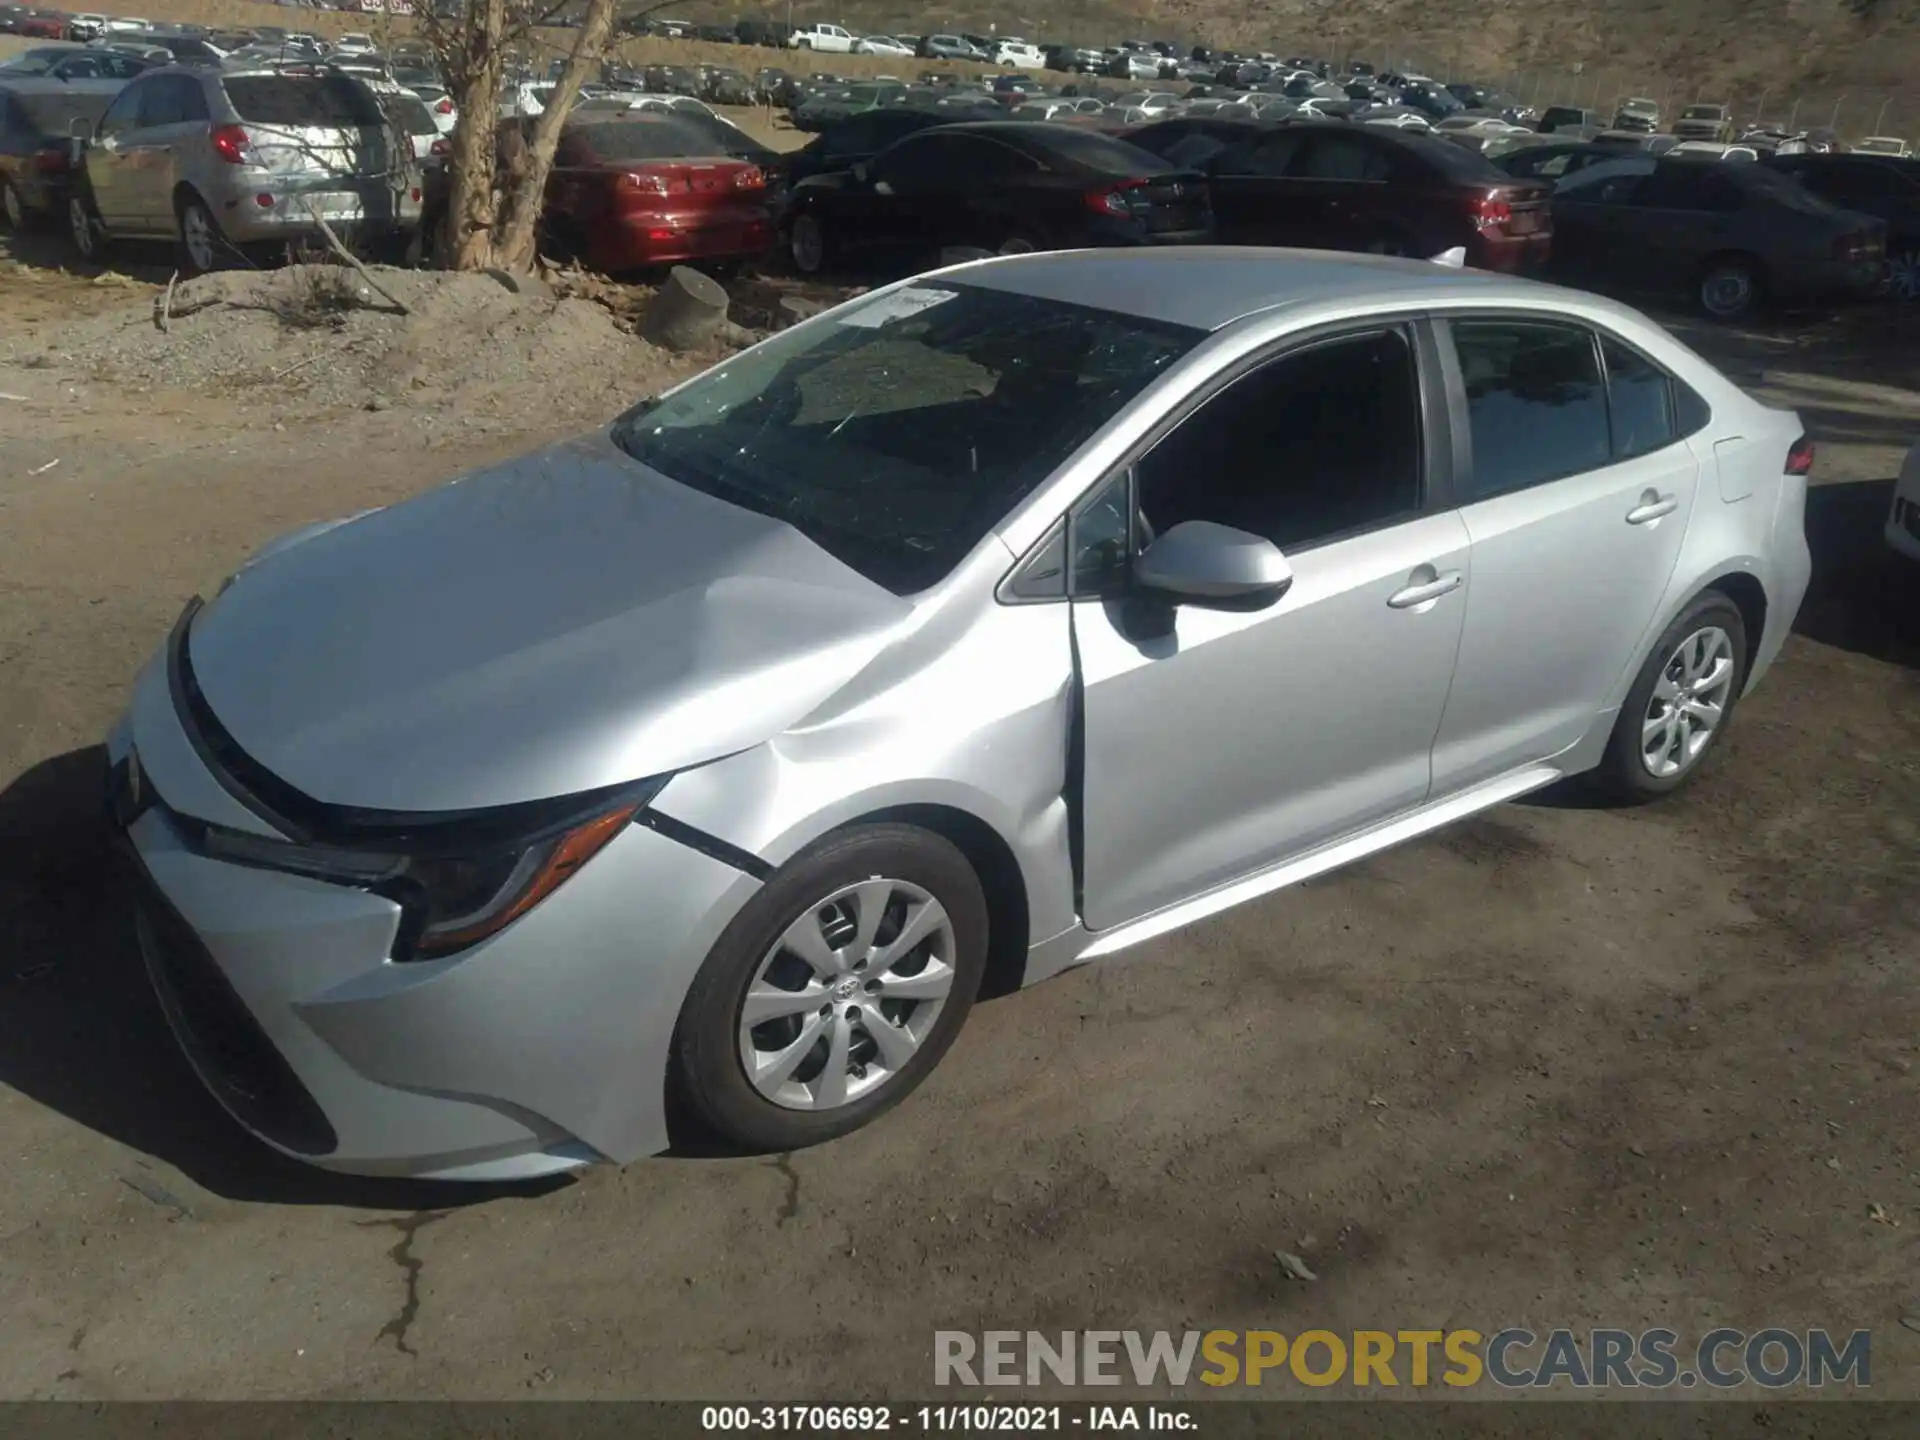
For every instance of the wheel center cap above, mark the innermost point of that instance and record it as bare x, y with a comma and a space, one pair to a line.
846, 989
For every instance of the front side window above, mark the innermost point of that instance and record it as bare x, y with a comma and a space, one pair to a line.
899, 435
1536, 404
1317, 444
124, 112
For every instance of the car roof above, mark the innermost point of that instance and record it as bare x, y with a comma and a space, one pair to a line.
1209, 286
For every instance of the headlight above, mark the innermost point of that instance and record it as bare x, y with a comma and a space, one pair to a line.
458, 883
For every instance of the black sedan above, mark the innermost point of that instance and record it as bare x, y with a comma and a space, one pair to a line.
1731, 236
846, 143
1004, 186
1877, 185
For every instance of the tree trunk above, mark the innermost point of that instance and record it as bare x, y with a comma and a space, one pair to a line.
516, 226
688, 313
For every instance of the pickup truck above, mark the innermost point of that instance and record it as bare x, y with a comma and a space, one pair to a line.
830, 38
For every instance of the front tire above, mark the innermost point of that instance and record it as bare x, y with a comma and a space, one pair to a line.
202, 245
1679, 705
835, 992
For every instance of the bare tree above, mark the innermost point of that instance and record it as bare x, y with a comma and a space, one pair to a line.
494, 200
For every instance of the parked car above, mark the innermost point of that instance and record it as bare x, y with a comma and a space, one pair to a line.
1561, 119
1642, 142
1000, 185
1876, 185
1347, 187
410, 115
461, 830
355, 42
188, 49
1638, 114
1903, 518
817, 112
949, 47
86, 25
1891, 146
79, 67
637, 191
848, 142
1075, 59
1554, 160
722, 85
36, 151
820, 36
43, 25
1711, 123
218, 160
1709, 150
1018, 53
881, 45
1730, 236
1135, 65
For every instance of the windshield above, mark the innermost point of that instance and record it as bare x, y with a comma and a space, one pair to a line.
898, 433
1701, 112
35, 62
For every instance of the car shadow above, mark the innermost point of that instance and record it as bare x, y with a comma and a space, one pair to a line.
1863, 597
46, 247
81, 1033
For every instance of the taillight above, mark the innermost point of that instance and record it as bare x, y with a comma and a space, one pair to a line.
229, 143
1800, 457
1113, 199
751, 178
440, 147
641, 181
54, 159
445, 107
1490, 212
1853, 248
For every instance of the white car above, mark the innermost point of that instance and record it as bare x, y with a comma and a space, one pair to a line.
1019, 54
1903, 521
881, 45
440, 105
1709, 150
409, 109
1890, 145
1143, 105
1134, 65
127, 25
526, 98
355, 42
830, 38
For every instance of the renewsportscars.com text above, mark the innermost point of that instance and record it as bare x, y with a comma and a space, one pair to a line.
1513, 1359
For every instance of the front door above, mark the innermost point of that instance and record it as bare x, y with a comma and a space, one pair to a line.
1576, 508
1218, 741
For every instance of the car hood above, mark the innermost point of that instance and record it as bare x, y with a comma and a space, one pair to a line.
565, 621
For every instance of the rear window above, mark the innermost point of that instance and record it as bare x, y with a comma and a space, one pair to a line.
52, 115
331, 100
1099, 153
642, 140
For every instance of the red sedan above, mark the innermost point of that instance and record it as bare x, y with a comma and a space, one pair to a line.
630, 192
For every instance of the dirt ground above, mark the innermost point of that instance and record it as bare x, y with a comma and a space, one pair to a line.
1553, 1067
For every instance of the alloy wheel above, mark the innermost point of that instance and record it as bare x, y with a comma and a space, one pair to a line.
847, 995
1903, 275
80, 223
1727, 291
196, 234
808, 243
1688, 703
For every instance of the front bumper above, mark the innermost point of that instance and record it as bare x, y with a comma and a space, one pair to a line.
539, 1050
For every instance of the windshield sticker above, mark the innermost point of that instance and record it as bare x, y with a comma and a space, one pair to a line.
901, 305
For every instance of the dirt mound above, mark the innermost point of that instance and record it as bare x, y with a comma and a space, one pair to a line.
319, 337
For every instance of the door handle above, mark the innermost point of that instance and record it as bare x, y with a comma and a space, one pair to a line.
1421, 592
1653, 506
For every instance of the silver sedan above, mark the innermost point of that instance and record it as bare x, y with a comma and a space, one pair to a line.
980, 628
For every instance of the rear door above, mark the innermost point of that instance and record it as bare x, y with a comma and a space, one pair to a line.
1681, 214
173, 128
1575, 493
1338, 183
1254, 203
108, 158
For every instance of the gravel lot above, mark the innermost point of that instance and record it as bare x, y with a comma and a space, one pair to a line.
1553, 1067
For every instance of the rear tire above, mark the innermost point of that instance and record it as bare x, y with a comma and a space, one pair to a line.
1732, 287
807, 244
203, 248
830, 1086
1680, 704
13, 210
84, 229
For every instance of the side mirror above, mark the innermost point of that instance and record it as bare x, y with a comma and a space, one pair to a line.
1199, 560
80, 130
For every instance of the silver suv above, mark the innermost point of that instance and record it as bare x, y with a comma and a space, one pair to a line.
224, 159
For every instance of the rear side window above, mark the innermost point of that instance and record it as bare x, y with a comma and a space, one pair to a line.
321, 100
1342, 157
1640, 399
411, 115
1536, 404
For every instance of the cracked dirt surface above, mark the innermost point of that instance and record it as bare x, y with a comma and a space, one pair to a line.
1552, 1067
